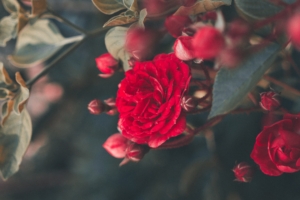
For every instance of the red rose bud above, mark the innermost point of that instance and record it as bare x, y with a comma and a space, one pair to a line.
116, 145
183, 48
293, 29
207, 42
243, 172
269, 101
136, 152
106, 64
96, 107
188, 103
140, 43
176, 23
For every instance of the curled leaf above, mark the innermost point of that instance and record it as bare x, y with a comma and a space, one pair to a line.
109, 6
8, 28
131, 4
201, 6
11, 6
121, 19
21, 95
15, 136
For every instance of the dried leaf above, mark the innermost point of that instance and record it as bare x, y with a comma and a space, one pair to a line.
201, 6
14, 139
115, 41
37, 42
38, 6
21, 95
121, 19
109, 6
131, 5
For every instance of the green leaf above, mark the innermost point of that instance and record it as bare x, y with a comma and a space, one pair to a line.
121, 19
131, 4
201, 6
15, 136
232, 85
11, 6
257, 9
8, 28
115, 41
37, 42
109, 6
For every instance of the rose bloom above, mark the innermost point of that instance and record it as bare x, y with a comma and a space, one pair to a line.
148, 100
277, 147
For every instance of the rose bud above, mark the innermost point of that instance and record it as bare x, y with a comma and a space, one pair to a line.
269, 101
243, 172
140, 43
293, 29
96, 107
183, 48
207, 42
188, 103
107, 65
136, 152
116, 145
176, 23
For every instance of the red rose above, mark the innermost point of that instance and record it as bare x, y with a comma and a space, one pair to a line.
277, 147
149, 98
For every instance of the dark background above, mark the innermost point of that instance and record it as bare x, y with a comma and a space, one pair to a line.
72, 164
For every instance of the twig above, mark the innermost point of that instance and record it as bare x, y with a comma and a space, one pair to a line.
281, 84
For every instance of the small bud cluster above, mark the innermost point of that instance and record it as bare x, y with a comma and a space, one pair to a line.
120, 147
97, 107
107, 65
243, 172
269, 101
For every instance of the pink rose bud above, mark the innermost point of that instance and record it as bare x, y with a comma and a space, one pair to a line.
136, 152
207, 42
116, 145
188, 103
176, 23
140, 43
243, 172
96, 107
107, 64
269, 100
293, 29
183, 48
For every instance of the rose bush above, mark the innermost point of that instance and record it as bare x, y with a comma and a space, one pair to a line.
149, 98
277, 147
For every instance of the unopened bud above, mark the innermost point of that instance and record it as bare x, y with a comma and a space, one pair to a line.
183, 48
269, 100
116, 145
96, 107
207, 42
107, 65
135, 152
176, 23
293, 29
188, 103
243, 172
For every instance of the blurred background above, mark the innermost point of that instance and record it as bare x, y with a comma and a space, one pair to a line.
66, 160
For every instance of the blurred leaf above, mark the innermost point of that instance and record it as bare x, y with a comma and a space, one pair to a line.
201, 6
121, 19
109, 6
8, 28
37, 42
232, 85
38, 6
258, 9
22, 20
115, 41
131, 4
14, 139
4, 77
11, 6
21, 95
143, 15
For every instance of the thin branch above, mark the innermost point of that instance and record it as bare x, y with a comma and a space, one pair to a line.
281, 84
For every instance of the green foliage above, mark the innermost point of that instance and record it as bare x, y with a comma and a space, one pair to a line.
202, 6
123, 18
109, 6
232, 85
8, 28
15, 136
37, 42
115, 40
